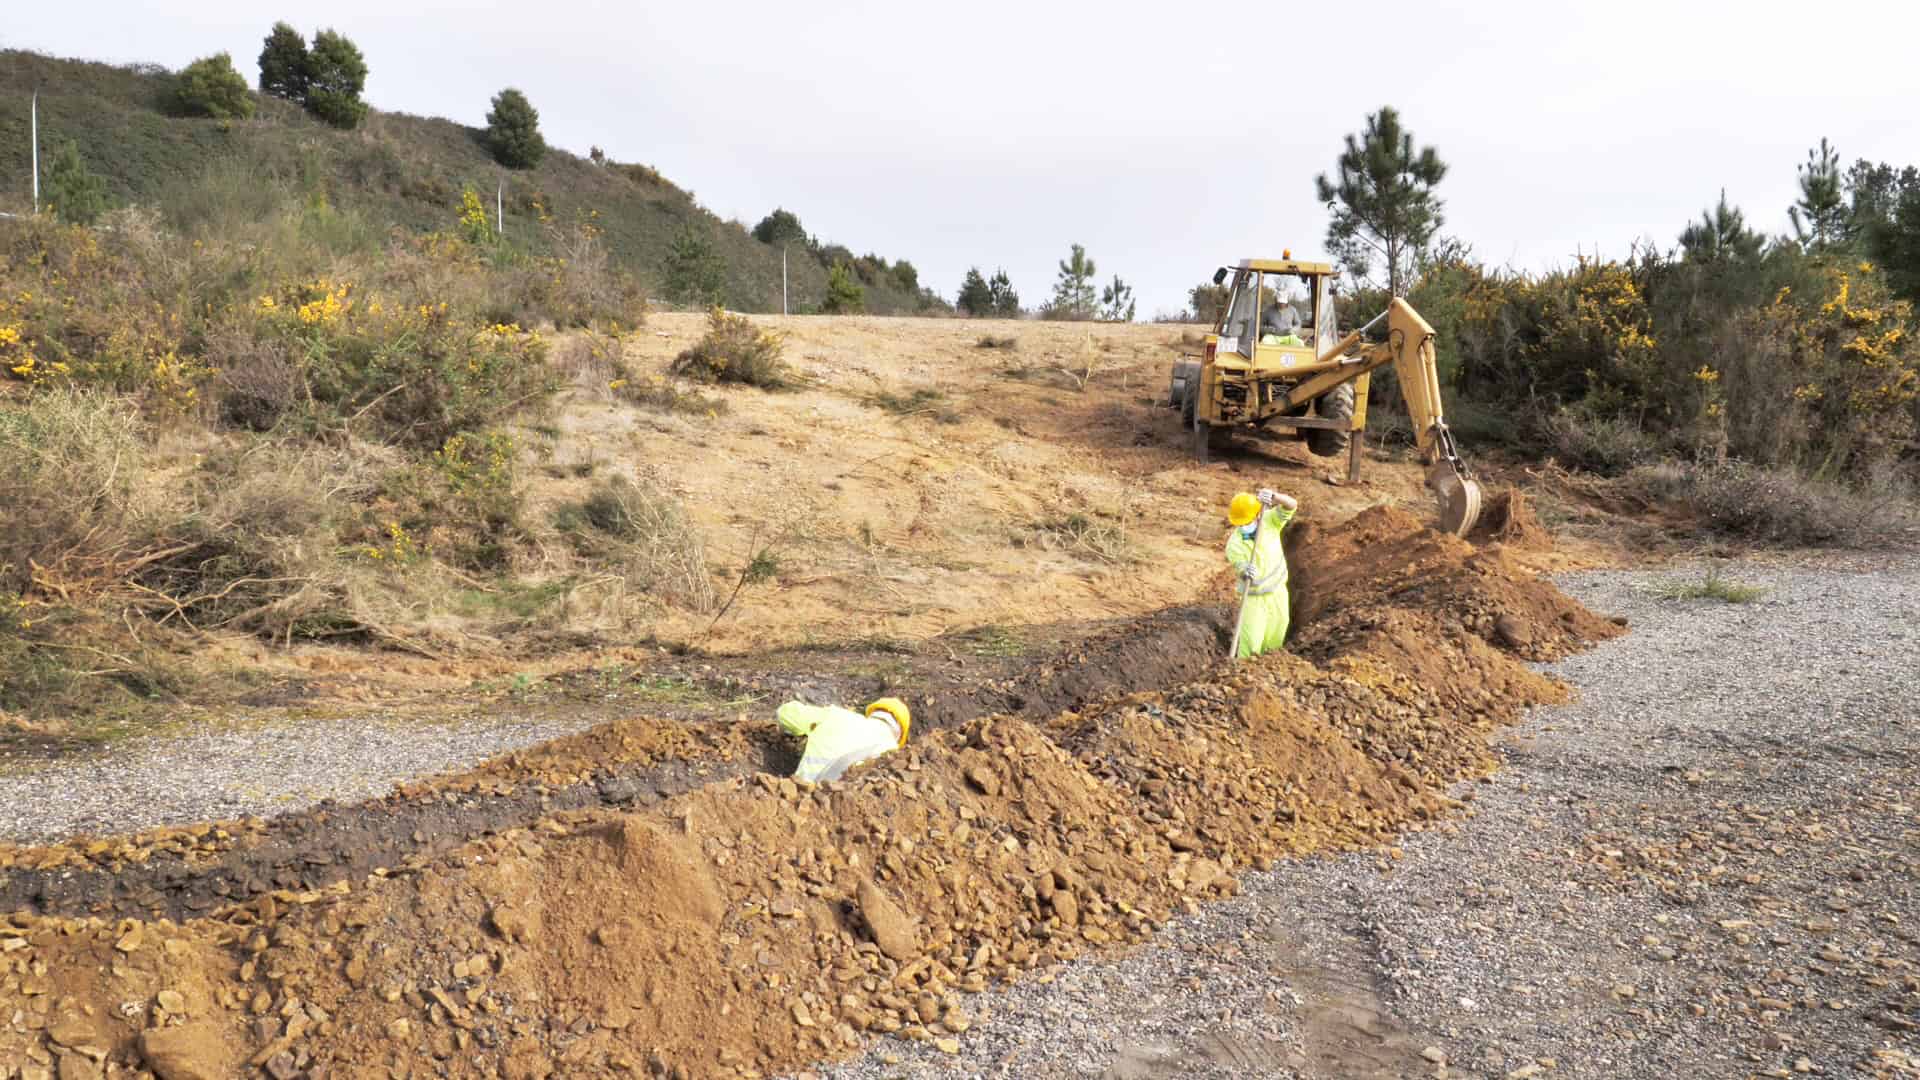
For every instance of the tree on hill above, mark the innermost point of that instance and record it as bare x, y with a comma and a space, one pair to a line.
74, 192
975, 298
336, 76
211, 87
1820, 216
780, 228
694, 273
1116, 301
1073, 291
1383, 207
1885, 215
845, 296
1207, 299
283, 64
513, 131
1005, 301
1721, 236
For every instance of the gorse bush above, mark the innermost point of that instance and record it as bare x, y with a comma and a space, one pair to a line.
736, 351
644, 528
1749, 502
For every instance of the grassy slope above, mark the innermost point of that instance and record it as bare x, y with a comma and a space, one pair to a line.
398, 169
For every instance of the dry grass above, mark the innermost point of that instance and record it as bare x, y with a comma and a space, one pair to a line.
1781, 506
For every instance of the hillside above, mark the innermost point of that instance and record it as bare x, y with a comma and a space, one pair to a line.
395, 170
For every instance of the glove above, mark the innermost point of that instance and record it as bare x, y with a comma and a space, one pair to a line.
1267, 496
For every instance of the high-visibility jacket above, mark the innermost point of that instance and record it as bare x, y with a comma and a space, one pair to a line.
837, 738
1263, 627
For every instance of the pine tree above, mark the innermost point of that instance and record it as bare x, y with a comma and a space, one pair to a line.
73, 191
1383, 207
211, 87
844, 295
694, 273
336, 76
1005, 301
513, 131
779, 229
976, 298
1820, 216
1116, 301
1721, 236
283, 64
1073, 292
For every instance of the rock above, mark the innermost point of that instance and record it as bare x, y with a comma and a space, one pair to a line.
1435, 1055
801, 1014
510, 924
172, 1001
187, 1052
947, 1046
1065, 906
35, 1072
400, 1029
79, 1067
281, 1066
893, 931
983, 779
1624, 991
1512, 632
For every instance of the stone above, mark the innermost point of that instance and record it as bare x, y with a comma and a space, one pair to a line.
281, 1066
947, 1046
400, 1029
893, 930
172, 1001
1065, 906
187, 1052
1435, 1055
1514, 633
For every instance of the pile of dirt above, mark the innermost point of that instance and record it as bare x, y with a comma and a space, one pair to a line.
754, 924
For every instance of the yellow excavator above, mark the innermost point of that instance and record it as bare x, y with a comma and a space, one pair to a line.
1265, 364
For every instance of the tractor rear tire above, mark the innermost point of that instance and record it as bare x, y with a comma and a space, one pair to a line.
1335, 404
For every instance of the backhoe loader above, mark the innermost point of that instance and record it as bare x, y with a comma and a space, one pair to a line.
1265, 365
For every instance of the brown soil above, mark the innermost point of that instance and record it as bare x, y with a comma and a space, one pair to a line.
753, 924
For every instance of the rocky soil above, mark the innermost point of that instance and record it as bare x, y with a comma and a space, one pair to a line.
1706, 866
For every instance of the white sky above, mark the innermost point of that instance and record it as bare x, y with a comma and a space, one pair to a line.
1167, 139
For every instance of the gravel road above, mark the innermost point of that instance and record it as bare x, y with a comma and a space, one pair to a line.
1707, 866
260, 767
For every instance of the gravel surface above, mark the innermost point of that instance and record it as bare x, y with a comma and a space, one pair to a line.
260, 768
1707, 866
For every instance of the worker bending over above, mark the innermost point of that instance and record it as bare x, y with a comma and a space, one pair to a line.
838, 738
1254, 549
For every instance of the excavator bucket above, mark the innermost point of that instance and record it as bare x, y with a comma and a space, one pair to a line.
1459, 498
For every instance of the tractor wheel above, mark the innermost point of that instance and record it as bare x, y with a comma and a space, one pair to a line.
1335, 404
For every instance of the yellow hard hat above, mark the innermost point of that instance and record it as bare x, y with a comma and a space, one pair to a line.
898, 708
1243, 509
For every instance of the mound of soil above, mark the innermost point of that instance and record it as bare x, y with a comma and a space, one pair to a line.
754, 924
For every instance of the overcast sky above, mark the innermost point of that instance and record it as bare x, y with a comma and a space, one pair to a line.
1166, 138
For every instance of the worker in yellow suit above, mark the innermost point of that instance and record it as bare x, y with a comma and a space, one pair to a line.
838, 738
1253, 548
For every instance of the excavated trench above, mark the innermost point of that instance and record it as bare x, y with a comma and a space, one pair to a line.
331, 842
605, 940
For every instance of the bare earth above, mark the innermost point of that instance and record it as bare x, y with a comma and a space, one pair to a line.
1707, 866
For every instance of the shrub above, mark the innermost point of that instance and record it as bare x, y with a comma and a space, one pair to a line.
643, 530
990, 341
1605, 445
336, 76
1083, 534
1781, 506
283, 64
68, 461
779, 229
844, 294
735, 351
513, 131
211, 87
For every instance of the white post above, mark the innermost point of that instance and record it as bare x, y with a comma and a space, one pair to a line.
499, 208
783, 279
35, 123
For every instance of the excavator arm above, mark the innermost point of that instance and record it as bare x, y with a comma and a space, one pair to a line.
1408, 346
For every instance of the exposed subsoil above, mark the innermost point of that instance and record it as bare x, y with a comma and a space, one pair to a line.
752, 924
180, 873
